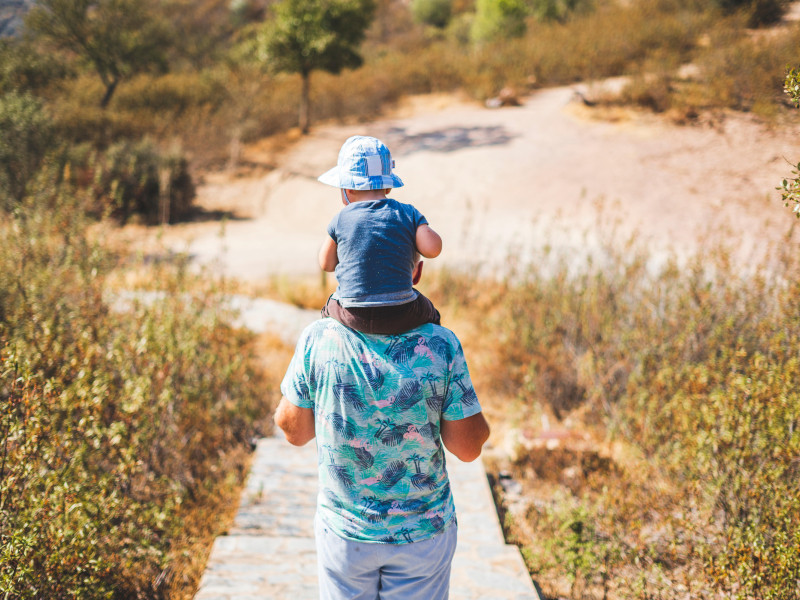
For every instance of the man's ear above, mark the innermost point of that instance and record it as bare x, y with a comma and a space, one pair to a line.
416, 274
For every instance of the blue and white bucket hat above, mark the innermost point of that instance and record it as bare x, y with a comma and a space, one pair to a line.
365, 163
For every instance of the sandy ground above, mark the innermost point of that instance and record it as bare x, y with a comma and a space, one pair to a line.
501, 184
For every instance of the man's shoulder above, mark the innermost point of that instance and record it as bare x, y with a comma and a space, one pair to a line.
432, 330
330, 327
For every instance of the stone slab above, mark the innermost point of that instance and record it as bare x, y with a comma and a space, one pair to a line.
269, 553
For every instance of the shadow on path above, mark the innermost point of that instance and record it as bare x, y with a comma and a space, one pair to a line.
448, 139
198, 214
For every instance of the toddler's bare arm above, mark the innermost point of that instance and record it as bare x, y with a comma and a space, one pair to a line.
429, 244
328, 259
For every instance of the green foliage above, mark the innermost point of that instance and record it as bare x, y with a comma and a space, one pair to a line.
792, 86
759, 12
573, 544
499, 19
119, 419
790, 191
436, 13
308, 35
790, 187
23, 69
26, 135
557, 10
116, 38
134, 178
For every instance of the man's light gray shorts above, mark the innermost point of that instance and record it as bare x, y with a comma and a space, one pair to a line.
358, 571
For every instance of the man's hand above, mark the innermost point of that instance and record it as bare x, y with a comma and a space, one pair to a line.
297, 423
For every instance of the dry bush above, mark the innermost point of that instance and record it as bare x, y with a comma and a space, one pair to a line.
745, 72
124, 427
685, 380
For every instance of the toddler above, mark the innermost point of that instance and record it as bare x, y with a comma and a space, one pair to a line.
374, 244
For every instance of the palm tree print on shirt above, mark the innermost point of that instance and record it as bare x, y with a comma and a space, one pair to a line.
406, 533
401, 348
339, 472
391, 434
375, 509
441, 348
370, 373
342, 426
435, 400
408, 396
346, 392
419, 479
468, 396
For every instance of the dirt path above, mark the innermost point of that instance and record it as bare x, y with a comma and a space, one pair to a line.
500, 183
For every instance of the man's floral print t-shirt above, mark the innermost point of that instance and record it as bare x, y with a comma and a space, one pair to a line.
378, 401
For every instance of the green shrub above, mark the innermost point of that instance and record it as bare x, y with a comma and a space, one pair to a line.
134, 179
26, 135
557, 10
790, 187
495, 19
24, 69
120, 422
759, 12
432, 12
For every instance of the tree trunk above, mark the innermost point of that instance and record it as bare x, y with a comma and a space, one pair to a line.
110, 87
305, 103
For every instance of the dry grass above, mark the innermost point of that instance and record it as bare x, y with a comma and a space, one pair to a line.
632, 452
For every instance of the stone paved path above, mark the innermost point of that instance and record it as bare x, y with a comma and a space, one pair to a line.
269, 551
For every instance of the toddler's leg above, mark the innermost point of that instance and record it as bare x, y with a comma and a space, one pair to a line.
385, 320
404, 317
425, 311
354, 318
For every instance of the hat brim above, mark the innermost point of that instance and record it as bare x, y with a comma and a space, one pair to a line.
380, 182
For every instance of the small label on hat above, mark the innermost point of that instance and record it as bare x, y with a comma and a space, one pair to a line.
374, 166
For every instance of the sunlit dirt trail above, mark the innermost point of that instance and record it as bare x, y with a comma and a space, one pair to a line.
503, 183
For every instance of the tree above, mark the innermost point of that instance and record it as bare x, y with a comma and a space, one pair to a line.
117, 38
306, 35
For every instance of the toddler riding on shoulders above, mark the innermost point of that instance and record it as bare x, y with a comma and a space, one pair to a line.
373, 245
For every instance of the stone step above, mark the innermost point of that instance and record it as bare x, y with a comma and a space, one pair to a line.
269, 552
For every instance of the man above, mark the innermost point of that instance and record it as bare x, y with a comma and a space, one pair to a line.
380, 408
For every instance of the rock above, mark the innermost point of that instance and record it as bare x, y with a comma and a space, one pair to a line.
506, 97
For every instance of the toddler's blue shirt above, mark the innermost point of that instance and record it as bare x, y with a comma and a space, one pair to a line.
376, 246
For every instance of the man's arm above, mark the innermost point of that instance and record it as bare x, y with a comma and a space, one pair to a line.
465, 437
328, 258
297, 423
